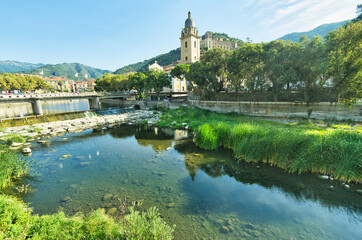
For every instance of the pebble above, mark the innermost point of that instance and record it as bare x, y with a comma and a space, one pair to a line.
83, 164
224, 229
107, 196
324, 177
66, 199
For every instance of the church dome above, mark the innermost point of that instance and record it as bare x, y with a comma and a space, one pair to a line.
189, 21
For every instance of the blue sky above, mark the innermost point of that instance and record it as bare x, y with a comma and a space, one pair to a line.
109, 34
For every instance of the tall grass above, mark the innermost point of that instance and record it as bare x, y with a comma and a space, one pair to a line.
17, 222
12, 167
304, 148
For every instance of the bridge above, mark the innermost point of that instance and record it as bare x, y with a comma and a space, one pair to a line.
36, 99
93, 98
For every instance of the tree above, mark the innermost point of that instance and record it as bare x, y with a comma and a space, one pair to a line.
209, 75
138, 82
275, 65
60, 83
180, 71
345, 61
247, 64
157, 80
309, 65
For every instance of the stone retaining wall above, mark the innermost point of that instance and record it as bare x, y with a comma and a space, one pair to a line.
322, 111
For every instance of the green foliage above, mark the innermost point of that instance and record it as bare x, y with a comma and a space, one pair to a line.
180, 71
208, 76
13, 137
207, 137
225, 37
345, 61
12, 167
138, 81
17, 222
10, 81
148, 225
157, 80
68, 70
295, 147
247, 64
111, 82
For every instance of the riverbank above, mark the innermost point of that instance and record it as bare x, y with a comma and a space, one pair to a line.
31, 132
333, 151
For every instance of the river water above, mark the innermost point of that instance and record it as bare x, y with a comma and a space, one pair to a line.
207, 194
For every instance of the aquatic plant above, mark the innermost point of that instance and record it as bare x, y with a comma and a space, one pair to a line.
17, 222
301, 147
12, 167
13, 137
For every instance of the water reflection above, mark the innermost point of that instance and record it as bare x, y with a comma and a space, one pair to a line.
331, 194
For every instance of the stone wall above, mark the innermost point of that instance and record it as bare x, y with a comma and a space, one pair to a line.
323, 111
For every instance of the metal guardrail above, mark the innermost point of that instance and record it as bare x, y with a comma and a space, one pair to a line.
47, 95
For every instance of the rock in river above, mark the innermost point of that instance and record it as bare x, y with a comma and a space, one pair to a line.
26, 150
111, 211
66, 199
107, 196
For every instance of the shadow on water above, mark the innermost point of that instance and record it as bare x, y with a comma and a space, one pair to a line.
329, 193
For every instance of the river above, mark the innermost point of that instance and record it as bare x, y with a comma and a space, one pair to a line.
206, 194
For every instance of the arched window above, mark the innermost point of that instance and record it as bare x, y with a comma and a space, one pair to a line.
185, 44
186, 58
194, 44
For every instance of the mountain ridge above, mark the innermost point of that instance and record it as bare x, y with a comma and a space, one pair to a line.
68, 70
9, 66
320, 31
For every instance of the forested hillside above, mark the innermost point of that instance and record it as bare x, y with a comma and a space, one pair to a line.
15, 66
320, 31
69, 70
163, 60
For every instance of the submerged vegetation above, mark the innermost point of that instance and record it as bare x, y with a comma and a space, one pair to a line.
293, 147
18, 222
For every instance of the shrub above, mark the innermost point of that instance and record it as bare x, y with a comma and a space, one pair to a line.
17, 222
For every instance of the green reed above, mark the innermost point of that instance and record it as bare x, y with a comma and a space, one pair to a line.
296, 148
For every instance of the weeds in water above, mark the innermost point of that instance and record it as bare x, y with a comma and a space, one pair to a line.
298, 147
12, 167
13, 137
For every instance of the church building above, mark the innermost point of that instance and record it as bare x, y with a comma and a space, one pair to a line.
190, 42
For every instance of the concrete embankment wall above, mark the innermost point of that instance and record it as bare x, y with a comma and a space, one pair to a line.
322, 111
17, 109
22, 109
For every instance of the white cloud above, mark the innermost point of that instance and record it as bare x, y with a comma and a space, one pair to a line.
276, 18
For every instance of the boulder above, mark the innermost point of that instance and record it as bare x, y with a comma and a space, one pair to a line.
26, 150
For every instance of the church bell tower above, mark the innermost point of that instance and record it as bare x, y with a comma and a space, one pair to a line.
190, 42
